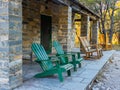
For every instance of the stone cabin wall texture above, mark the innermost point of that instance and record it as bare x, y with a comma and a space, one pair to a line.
65, 28
10, 44
32, 9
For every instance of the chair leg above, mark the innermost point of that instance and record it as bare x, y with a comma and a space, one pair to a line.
79, 65
78, 55
86, 54
60, 76
75, 68
98, 54
91, 54
69, 73
101, 52
74, 62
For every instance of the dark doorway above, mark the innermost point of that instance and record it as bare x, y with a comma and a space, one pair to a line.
46, 31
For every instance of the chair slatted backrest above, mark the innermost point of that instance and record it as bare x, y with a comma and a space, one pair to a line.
42, 56
86, 41
83, 42
58, 48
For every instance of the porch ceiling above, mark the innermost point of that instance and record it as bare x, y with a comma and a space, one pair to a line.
76, 6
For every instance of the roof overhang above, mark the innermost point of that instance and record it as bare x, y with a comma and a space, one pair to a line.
59, 2
77, 7
81, 9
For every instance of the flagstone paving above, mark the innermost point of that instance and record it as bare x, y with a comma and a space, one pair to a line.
79, 80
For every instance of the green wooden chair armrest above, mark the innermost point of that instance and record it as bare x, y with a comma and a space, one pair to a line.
68, 54
75, 53
54, 57
63, 55
72, 52
50, 57
53, 60
56, 61
37, 60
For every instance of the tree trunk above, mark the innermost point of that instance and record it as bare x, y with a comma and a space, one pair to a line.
111, 29
119, 37
104, 31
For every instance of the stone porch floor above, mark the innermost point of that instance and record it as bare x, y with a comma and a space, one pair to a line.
80, 80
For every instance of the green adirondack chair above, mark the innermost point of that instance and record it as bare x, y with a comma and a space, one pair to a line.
75, 60
47, 65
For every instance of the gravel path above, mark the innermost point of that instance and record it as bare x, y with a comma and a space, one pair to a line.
109, 79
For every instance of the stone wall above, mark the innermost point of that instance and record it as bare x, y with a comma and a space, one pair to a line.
51, 9
70, 30
85, 25
65, 28
10, 44
32, 9
95, 28
61, 23
4, 46
31, 23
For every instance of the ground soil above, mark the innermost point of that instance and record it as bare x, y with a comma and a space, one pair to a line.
109, 78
